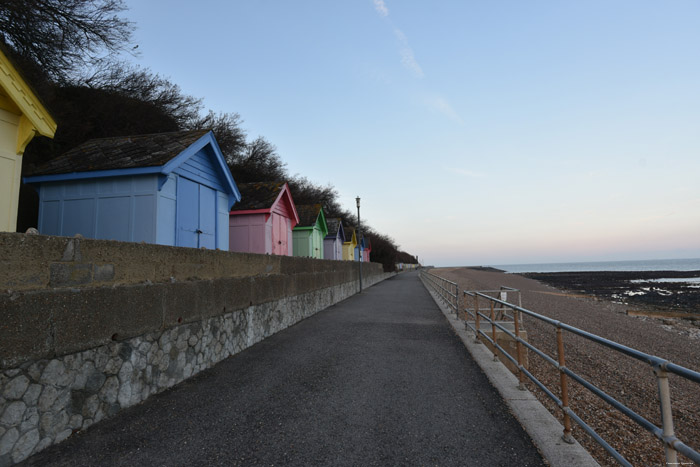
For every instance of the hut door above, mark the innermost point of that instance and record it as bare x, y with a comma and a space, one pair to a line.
207, 217
196, 215
279, 235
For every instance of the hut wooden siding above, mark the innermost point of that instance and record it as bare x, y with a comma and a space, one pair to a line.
22, 116
366, 249
308, 235
350, 244
263, 221
333, 243
167, 188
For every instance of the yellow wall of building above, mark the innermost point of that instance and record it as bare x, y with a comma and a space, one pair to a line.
349, 249
22, 116
10, 171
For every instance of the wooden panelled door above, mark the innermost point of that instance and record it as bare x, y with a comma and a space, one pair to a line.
280, 242
196, 215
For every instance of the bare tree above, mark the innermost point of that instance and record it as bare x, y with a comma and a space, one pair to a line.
64, 36
227, 130
133, 82
305, 191
259, 162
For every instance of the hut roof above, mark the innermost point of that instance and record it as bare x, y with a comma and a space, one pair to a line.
308, 214
259, 195
122, 152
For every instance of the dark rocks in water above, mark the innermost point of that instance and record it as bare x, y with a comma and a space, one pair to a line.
637, 288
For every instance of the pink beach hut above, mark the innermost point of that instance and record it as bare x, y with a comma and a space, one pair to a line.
263, 220
366, 249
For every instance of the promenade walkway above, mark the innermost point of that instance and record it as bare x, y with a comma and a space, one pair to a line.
378, 379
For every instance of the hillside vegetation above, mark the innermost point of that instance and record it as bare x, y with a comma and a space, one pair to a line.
69, 51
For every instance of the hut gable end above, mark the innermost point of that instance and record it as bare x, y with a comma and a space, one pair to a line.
267, 197
309, 234
263, 221
201, 168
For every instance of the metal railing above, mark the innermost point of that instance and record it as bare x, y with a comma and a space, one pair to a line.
500, 311
448, 291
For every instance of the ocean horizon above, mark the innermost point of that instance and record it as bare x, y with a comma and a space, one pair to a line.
685, 264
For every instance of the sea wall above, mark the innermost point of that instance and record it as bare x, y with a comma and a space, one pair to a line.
29, 262
80, 344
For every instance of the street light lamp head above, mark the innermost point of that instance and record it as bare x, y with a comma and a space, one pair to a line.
358, 202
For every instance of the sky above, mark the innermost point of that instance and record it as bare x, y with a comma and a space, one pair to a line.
475, 132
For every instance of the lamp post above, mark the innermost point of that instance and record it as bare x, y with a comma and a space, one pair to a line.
359, 234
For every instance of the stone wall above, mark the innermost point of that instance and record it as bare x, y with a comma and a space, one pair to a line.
73, 355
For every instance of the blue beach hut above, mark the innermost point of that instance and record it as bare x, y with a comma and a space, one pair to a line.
361, 253
166, 188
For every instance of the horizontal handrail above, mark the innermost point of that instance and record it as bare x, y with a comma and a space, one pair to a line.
653, 360
448, 291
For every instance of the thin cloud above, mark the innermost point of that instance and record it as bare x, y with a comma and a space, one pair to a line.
467, 173
441, 105
408, 60
381, 8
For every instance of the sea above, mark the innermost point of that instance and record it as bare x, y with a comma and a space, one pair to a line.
688, 264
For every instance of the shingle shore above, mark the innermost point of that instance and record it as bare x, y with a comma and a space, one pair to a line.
627, 380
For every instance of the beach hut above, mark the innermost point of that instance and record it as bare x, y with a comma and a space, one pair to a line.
309, 233
350, 244
361, 252
166, 188
263, 220
22, 116
333, 243
366, 248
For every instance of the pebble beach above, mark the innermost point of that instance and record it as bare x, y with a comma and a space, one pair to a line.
627, 380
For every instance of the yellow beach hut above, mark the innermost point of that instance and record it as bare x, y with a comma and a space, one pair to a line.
22, 117
350, 244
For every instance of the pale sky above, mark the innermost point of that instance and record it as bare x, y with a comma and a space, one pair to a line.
475, 132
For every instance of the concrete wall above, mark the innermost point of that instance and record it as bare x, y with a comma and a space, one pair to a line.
30, 262
89, 327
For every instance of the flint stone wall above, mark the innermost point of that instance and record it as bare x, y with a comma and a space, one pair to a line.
70, 357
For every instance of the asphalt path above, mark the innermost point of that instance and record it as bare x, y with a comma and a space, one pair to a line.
378, 379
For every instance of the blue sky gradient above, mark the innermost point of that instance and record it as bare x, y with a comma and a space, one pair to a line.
476, 132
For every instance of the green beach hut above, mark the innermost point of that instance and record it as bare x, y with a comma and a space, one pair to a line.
309, 233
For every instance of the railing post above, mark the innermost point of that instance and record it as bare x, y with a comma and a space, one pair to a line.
493, 331
520, 304
519, 347
666, 413
477, 319
564, 388
456, 301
